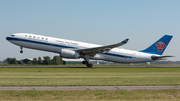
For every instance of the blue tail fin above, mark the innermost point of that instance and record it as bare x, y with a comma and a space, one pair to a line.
159, 46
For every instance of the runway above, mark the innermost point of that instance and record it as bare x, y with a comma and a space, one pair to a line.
92, 88
94, 67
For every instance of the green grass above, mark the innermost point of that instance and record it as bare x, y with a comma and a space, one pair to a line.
89, 76
98, 95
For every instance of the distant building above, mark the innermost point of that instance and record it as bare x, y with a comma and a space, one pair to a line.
79, 62
2, 63
27, 60
72, 61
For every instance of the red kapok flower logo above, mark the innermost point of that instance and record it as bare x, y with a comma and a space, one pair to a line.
160, 45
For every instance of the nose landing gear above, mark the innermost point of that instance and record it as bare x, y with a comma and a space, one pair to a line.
21, 50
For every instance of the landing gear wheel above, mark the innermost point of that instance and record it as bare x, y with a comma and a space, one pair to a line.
89, 65
84, 62
21, 51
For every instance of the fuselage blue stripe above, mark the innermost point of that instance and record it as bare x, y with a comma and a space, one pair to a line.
117, 55
62, 46
38, 42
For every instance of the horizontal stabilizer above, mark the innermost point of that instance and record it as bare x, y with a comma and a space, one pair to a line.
159, 57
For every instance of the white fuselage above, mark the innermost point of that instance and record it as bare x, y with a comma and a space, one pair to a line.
55, 45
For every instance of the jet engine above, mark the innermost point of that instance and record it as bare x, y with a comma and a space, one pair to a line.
66, 53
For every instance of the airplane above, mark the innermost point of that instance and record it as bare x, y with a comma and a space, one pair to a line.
75, 50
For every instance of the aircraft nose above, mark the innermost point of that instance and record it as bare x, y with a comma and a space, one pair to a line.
8, 38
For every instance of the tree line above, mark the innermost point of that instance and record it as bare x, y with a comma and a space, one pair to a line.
57, 60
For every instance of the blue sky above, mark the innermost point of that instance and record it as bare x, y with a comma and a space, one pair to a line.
95, 21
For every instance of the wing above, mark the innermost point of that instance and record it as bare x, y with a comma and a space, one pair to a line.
97, 50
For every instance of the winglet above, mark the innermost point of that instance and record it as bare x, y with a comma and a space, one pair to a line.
125, 41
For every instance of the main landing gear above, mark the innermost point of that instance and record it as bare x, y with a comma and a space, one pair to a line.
21, 50
86, 61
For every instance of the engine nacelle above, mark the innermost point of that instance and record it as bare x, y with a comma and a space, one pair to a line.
69, 54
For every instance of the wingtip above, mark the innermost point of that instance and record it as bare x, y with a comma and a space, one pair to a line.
125, 41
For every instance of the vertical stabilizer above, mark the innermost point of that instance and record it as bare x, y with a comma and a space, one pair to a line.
159, 46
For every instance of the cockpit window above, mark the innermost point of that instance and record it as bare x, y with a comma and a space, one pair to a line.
13, 35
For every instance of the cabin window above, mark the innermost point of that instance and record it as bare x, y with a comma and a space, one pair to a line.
46, 38
38, 37
30, 36
42, 38
34, 37
25, 35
